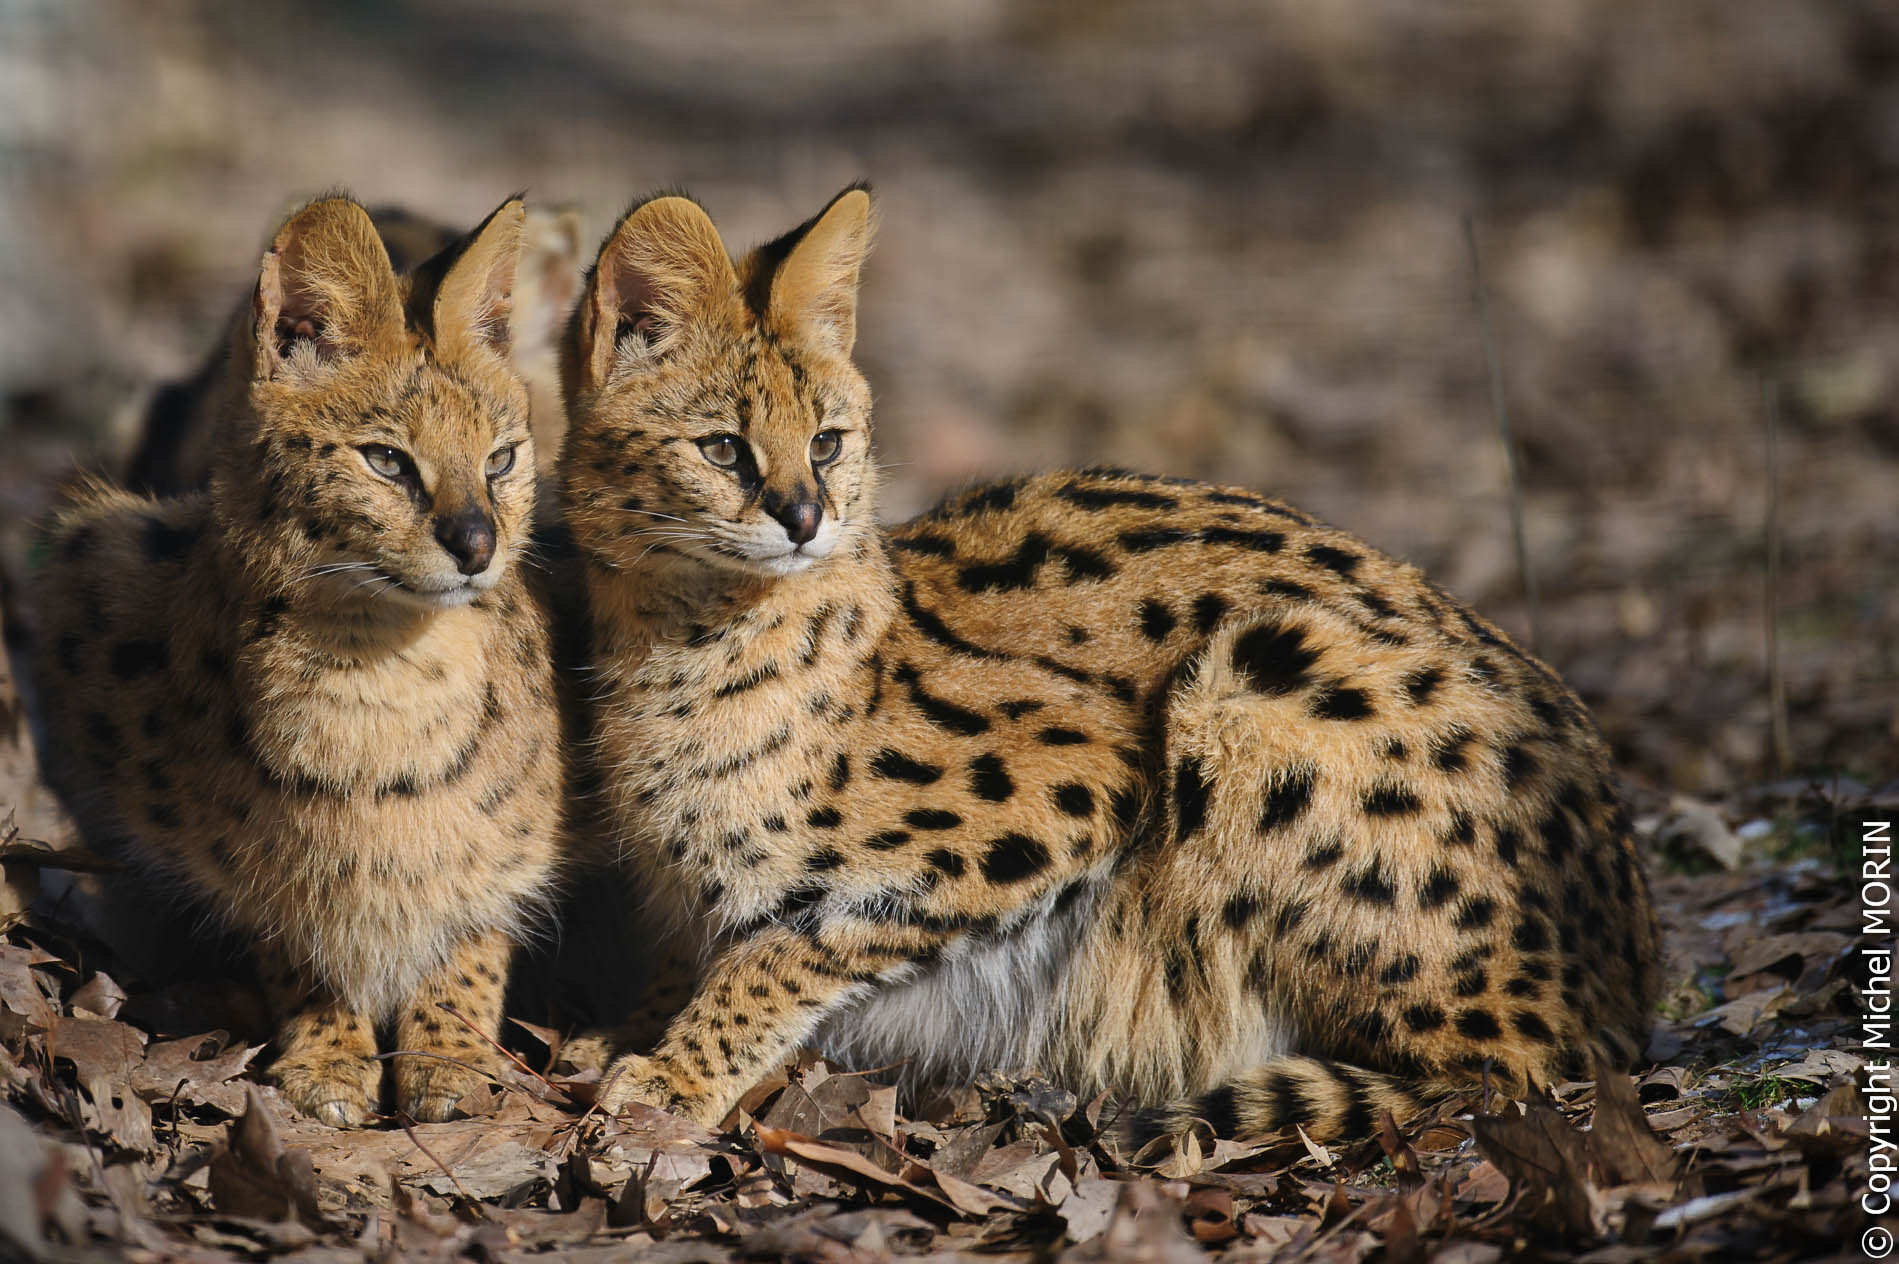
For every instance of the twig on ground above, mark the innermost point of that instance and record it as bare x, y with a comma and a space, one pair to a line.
1494, 360
430, 1155
1770, 614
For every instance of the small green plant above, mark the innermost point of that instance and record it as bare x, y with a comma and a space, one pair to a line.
1764, 1091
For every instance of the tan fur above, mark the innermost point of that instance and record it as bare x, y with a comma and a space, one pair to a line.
180, 433
1161, 787
287, 701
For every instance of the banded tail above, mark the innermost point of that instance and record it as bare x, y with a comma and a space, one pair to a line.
1330, 1100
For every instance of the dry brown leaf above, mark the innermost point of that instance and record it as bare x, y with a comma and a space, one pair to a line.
198, 1070
1622, 1147
777, 1141
1541, 1153
100, 997
254, 1176
1744, 1013
20, 990
506, 1172
106, 1053
1210, 1216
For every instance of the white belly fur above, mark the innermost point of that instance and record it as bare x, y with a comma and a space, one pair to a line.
994, 1003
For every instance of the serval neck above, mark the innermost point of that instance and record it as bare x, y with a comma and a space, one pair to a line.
679, 602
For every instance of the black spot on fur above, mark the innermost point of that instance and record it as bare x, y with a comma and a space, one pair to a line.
269, 615
1519, 765
840, 771
1339, 561
1532, 1026
946, 862
989, 779
1339, 702
1286, 588
1449, 753
132, 659
1074, 799
1286, 798
1438, 890
1221, 1111
1020, 707
1324, 856
1559, 836
822, 860
824, 818
928, 543
1012, 574
1422, 1018
1061, 737
889, 840
1403, 970
1207, 609
166, 543
1372, 885
1095, 498
938, 711
1146, 541
1273, 658
1258, 541
1420, 685
1478, 1024
1476, 913
1375, 605
1013, 858
1531, 935
1391, 799
1472, 982
1190, 797
1462, 831
932, 819
1156, 620
1240, 910
896, 766
1508, 842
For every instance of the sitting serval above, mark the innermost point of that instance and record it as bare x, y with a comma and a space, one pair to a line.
317, 702
1159, 787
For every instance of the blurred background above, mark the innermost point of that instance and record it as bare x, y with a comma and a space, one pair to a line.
1213, 238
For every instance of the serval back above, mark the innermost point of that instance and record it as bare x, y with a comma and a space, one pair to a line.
1159, 787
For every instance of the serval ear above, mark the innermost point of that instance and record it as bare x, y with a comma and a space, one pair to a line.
661, 271
325, 290
475, 300
548, 282
814, 289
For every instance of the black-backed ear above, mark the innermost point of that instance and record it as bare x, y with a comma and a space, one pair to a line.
814, 291
476, 296
663, 268
325, 288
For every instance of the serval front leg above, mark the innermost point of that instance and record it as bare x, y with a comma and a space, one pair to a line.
759, 1000
326, 1052
440, 1058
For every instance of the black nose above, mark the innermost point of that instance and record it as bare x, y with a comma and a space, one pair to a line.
469, 537
800, 519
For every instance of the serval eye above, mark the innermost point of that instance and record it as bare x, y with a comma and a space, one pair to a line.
500, 461
385, 460
825, 445
721, 450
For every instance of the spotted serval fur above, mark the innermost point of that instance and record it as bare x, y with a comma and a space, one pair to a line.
316, 702
1160, 787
